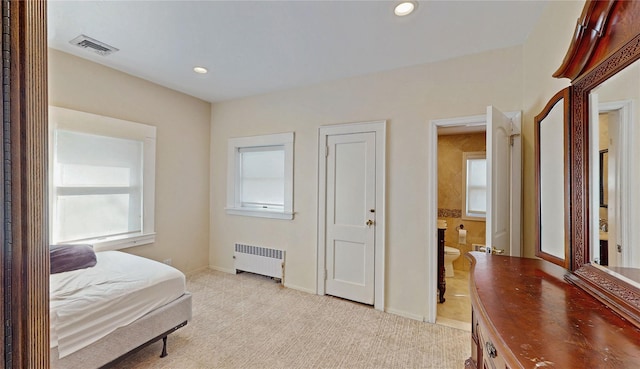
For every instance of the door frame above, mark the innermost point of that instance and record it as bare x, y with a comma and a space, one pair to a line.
625, 112
432, 197
379, 128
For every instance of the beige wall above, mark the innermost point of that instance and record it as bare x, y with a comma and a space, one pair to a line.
182, 158
450, 189
543, 53
407, 98
517, 78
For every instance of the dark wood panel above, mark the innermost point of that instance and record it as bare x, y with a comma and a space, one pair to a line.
623, 24
25, 167
531, 314
442, 283
4, 270
589, 29
604, 27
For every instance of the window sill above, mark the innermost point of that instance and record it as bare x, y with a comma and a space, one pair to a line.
260, 213
121, 242
473, 218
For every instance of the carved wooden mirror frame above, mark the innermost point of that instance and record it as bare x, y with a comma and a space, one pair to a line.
606, 40
562, 97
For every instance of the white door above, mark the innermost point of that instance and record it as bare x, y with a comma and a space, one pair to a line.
500, 175
350, 216
614, 205
619, 174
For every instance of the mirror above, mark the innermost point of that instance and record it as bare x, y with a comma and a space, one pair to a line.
601, 62
614, 114
551, 158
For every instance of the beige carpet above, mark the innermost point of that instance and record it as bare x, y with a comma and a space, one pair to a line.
249, 321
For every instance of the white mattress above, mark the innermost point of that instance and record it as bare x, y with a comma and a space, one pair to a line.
88, 304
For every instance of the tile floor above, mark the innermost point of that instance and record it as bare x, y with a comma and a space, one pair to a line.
456, 310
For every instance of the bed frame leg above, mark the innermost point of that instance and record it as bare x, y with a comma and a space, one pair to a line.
164, 347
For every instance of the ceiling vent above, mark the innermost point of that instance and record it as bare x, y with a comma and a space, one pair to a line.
94, 45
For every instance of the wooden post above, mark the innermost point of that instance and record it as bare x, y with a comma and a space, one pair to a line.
23, 177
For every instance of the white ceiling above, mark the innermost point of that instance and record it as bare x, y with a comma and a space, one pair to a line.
256, 47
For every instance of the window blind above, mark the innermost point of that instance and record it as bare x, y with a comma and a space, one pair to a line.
476, 186
262, 176
97, 186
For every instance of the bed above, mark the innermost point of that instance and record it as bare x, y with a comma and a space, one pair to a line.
100, 313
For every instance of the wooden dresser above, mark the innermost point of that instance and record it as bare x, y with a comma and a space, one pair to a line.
525, 315
565, 311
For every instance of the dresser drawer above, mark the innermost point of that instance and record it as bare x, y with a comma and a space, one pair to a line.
484, 353
491, 357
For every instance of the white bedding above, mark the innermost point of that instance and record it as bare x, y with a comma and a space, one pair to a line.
88, 304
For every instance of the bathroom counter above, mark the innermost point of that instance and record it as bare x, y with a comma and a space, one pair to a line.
526, 315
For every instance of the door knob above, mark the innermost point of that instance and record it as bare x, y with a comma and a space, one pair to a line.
369, 223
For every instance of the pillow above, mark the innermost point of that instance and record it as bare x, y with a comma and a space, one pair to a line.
65, 258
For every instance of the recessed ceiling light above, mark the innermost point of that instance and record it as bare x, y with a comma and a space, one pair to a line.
200, 70
404, 8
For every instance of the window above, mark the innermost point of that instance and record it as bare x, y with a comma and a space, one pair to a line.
260, 176
102, 180
474, 183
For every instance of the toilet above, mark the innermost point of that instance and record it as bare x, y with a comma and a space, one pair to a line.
450, 254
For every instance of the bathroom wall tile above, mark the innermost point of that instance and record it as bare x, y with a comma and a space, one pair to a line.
476, 234
450, 149
449, 213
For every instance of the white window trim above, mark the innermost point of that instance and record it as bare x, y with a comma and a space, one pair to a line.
465, 157
72, 120
234, 206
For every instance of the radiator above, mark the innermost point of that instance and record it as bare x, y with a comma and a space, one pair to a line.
259, 260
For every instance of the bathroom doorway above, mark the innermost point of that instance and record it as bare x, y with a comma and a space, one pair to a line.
502, 215
461, 210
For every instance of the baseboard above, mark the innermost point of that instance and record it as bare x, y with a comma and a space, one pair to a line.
298, 288
221, 269
452, 323
195, 271
287, 285
404, 314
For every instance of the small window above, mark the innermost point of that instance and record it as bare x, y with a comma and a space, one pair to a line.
474, 183
102, 180
260, 176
